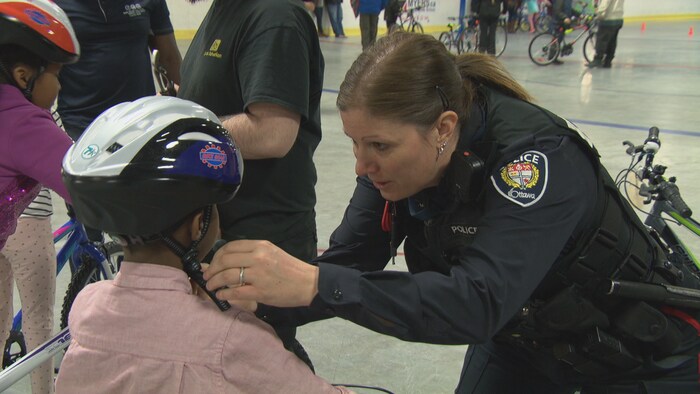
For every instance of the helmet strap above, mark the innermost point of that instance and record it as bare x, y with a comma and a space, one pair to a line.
27, 92
190, 263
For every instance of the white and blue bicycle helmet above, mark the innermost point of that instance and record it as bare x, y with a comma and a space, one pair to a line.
143, 166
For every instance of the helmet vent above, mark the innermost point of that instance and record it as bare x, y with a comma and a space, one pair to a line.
114, 147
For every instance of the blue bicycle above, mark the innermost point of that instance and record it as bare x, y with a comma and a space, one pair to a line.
89, 262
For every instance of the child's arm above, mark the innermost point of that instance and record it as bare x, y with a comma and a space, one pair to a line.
38, 147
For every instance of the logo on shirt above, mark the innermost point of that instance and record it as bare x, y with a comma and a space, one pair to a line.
524, 179
133, 10
214, 49
213, 156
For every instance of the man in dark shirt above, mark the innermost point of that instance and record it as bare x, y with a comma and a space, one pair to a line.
258, 66
115, 64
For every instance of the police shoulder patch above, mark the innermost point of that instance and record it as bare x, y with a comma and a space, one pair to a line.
523, 180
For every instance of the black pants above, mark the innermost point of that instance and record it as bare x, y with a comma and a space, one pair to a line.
606, 43
503, 369
487, 34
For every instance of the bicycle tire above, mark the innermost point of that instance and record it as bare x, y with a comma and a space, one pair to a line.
524, 25
501, 40
8, 355
543, 23
446, 40
89, 272
589, 47
115, 252
416, 28
544, 48
469, 39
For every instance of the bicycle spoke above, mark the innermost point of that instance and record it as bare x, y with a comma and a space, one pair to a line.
544, 49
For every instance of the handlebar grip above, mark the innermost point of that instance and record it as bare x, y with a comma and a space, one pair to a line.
669, 191
653, 134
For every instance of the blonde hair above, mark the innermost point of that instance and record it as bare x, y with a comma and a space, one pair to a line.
412, 78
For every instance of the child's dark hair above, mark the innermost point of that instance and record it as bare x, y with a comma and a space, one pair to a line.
11, 55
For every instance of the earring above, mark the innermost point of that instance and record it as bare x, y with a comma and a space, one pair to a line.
441, 149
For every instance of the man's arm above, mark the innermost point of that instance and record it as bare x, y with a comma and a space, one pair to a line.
170, 57
264, 131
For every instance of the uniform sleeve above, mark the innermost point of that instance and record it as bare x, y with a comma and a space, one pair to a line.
160, 19
514, 248
40, 147
358, 243
254, 361
273, 67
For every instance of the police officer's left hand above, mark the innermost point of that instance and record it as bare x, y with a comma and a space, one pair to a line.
270, 275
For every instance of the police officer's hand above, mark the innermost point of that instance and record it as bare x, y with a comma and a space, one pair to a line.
270, 275
250, 306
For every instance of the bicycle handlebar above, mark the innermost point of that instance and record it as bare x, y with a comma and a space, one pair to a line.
669, 191
659, 186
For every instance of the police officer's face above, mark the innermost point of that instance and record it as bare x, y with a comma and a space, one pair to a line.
399, 158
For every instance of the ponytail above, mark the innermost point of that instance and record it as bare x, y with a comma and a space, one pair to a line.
481, 69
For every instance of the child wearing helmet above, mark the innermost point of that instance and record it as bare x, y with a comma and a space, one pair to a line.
150, 172
35, 39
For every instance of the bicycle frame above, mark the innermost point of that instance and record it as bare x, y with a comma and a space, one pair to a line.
585, 29
77, 245
33, 359
655, 221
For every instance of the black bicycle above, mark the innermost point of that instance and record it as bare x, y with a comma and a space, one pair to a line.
647, 180
545, 48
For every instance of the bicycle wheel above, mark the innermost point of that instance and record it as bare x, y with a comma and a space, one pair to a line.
416, 28
115, 253
15, 348
524, 24
469, 40
89, 272
446, 40
589, 47
501, 40
543, 23
544, 49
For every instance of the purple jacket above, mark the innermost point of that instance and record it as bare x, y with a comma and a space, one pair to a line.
31, 151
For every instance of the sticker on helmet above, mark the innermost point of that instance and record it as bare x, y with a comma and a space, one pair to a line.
90, 151
37, 17
213, 156
523, 180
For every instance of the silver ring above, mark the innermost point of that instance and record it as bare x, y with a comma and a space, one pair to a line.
241, 277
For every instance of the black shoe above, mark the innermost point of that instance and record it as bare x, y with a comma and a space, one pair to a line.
557, 62
607, 65
595, 63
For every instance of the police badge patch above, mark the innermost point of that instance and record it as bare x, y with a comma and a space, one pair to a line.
524, 179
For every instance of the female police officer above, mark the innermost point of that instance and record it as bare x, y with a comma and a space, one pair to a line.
509, 225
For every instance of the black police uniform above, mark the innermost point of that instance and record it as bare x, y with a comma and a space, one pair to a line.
502, 235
